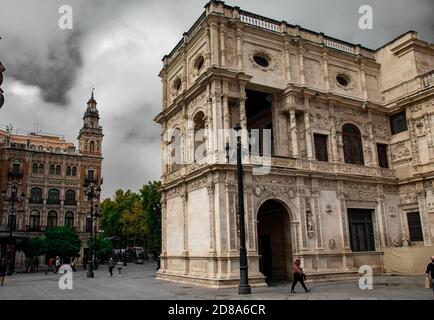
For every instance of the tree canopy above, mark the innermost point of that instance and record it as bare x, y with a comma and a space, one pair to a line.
62, 241
130, 215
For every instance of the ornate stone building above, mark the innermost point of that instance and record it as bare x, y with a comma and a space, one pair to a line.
51, 174
352, 164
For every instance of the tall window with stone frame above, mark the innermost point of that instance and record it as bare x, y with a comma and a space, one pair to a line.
36, 196
353, 147
74, 171
52, 219
320, 142
34, 220
35, 168
69, 198
361, 229
69, 219
53, 196
52, 169
414, 226
58, 170
41, 168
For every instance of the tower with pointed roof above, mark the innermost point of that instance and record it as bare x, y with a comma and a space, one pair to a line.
90, 136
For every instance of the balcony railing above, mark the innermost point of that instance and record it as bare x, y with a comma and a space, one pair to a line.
70, 202
409, 87
36, 201
53, 201
16, 173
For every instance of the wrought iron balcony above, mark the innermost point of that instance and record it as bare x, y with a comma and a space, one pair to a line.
16, 173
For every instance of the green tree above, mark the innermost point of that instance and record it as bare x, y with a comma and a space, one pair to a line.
151, 204
62, 241
33, 247
102, 247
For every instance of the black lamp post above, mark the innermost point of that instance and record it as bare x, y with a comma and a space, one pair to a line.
14, 198
2, 69
244, 287
92, 192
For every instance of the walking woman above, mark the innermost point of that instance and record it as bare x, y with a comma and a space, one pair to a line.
298, 275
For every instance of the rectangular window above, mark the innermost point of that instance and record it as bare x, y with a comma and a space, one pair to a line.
320, 141
361, 230
414, 226
382, 155
398, 123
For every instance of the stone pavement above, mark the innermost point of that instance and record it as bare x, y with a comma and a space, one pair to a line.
138, 282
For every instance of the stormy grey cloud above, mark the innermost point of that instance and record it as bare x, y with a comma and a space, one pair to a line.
117, 46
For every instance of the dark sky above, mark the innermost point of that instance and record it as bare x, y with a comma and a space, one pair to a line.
117, 46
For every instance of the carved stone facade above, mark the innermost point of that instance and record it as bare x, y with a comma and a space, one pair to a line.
312, 89
51, 174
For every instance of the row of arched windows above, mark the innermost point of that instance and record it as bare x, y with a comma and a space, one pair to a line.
53, 196
51, 149
55, 170
52, 219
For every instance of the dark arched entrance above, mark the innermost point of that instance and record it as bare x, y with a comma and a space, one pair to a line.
274, 241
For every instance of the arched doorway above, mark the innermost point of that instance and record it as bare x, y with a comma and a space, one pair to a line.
274, 241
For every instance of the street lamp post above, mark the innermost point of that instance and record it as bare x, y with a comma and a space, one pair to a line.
12, 221
92, 192
244, 287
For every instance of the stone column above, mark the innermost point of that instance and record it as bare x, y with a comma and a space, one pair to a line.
185, 221
214, 43
163, 225
222, 45
239, 48
421, 200
308, 133
287, 61
333, 136
429, 135
212, 232
363, 81
301, 64
326, 70
294, 135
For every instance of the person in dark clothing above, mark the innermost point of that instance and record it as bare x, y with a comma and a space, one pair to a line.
111, 265
3, 267
430, 269
299, 276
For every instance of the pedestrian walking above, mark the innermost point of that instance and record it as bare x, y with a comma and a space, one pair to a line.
3, 267
111, 265
73, 264
430, 269
119, 265
57, 264
298, 276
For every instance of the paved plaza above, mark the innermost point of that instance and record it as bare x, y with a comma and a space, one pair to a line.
138, 282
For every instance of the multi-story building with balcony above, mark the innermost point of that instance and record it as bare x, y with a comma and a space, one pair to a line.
352, 154
47, 175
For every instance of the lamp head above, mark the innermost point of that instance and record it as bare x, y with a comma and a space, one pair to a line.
237, 127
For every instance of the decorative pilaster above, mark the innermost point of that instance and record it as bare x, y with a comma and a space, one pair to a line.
293, 129
239, 48
184, 197
325, 65
373, 156
212, 232
287, 61
307, 130
421, 200
301, 63
214, 43
222, 45
333, 136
